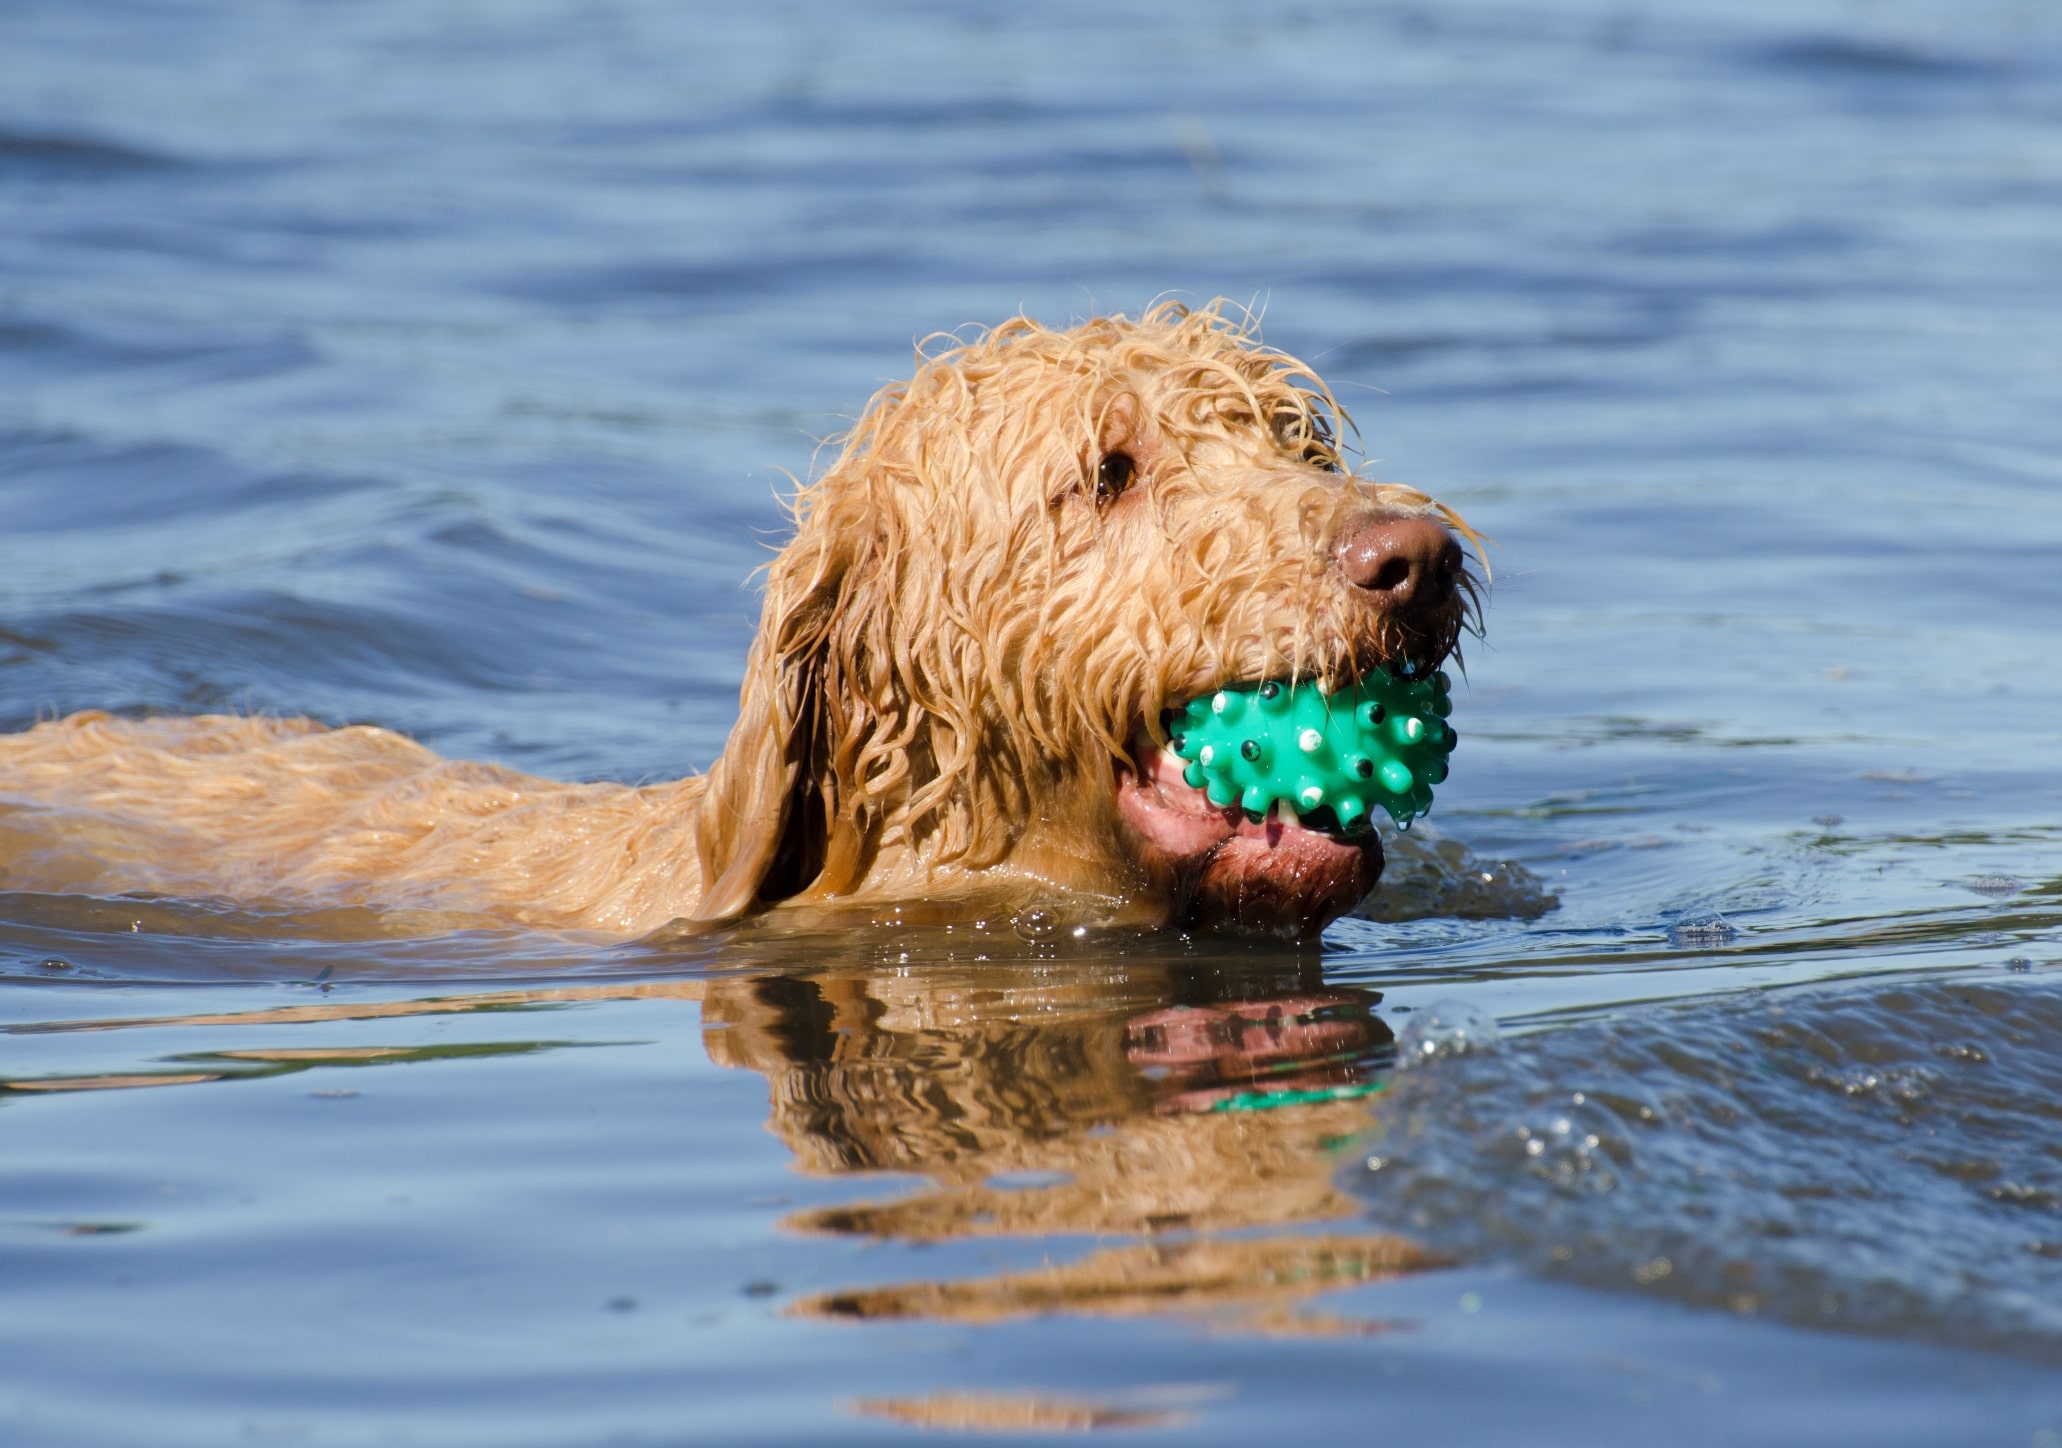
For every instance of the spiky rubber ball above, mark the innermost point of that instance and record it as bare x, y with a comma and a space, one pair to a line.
1332, 759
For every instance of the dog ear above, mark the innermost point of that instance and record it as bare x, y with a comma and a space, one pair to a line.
760, 823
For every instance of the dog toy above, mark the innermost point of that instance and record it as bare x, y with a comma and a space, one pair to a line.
1330, 758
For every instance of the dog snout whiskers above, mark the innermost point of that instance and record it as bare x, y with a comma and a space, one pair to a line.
1401, 563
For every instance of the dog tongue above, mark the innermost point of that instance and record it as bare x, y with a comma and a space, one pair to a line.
1270, 875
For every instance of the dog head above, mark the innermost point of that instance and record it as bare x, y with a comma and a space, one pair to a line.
1020, 558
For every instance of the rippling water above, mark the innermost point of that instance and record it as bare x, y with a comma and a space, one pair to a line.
440, 367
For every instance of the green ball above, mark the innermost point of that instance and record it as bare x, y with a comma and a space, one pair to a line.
1382, 744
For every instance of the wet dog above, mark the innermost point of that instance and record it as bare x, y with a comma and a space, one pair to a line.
1019, 559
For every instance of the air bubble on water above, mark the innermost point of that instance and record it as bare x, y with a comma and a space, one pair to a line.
1442, 1029
1702, 930
1037, 925
1997, 885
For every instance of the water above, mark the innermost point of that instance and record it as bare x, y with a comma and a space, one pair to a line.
1882, 1159
440, 368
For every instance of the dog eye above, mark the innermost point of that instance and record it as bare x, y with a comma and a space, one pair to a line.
1113, 475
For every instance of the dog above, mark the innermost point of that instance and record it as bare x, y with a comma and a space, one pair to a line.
952, 709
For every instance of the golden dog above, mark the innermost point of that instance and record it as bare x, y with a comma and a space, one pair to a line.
952, 709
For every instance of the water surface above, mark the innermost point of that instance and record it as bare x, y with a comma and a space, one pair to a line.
441, 366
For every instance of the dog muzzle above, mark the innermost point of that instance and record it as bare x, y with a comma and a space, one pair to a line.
1329, 758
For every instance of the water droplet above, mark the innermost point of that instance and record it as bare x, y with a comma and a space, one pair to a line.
1444, 1029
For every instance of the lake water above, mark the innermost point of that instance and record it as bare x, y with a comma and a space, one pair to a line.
1698, 1079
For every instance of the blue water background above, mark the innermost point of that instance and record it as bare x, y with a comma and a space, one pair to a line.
441, 366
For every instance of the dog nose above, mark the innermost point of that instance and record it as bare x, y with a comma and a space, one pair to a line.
1400, 562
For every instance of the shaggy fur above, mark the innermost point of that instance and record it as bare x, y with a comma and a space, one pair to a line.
964, 651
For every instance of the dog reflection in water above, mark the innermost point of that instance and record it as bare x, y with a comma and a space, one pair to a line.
1158, 1107
1164, 1106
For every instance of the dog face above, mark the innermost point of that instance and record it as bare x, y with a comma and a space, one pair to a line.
1020, 558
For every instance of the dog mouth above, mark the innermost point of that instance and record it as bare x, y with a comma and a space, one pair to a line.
1260, 805
1274, 873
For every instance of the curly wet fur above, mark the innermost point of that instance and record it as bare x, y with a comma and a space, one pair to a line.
956, 650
